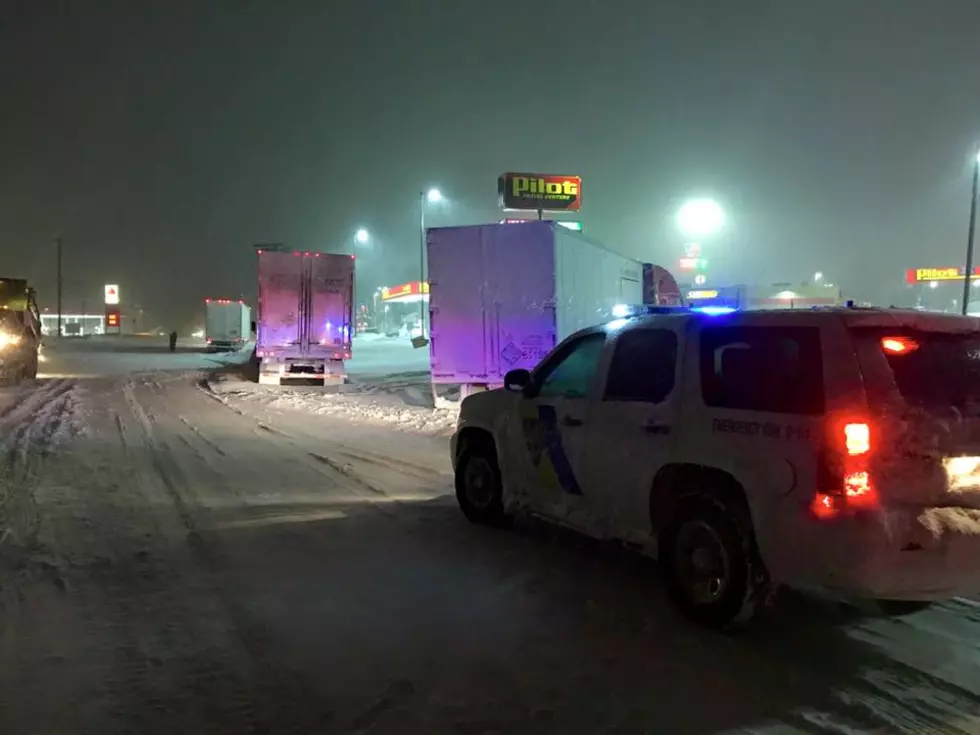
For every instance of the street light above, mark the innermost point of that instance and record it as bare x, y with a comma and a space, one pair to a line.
817, 277
432, 196
362, 236
700, 217
968, 273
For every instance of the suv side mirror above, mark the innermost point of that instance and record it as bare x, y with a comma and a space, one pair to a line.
517, 381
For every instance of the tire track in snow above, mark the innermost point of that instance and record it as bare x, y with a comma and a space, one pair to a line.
31, 427
355, 481
281, 701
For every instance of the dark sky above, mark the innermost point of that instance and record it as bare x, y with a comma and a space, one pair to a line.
162, 139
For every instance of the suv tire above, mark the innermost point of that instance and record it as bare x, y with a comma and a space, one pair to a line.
479, 490
729, 588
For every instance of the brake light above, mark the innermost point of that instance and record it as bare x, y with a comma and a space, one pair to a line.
845, 471
898, 345
857, 439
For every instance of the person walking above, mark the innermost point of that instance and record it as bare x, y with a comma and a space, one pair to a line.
173, 341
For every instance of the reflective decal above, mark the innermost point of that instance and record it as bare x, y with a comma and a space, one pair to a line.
542, 436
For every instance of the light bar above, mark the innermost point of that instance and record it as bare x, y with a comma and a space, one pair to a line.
714, 310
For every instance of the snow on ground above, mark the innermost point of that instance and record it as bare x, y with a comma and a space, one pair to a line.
180, 560
404, 404
96, 356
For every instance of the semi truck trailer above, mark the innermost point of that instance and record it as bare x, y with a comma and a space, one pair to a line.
501, 296
305, 316
227, 324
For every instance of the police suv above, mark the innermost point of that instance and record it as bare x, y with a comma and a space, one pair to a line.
827, 449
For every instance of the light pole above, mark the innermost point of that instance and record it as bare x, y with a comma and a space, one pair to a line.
968, 273
432, 196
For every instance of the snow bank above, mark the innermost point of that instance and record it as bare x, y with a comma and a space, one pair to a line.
402, 402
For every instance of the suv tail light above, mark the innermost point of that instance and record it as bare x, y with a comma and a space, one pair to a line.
845, 471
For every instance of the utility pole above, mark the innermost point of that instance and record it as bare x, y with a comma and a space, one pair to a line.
968, 274
59, 286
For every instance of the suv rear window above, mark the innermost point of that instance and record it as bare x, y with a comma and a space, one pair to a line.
775, 369
943, 370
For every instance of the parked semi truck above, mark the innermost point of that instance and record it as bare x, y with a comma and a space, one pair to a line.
227, 324
501, 296
20, 331
305, 315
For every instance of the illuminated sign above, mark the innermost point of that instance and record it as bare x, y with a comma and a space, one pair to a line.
111, 294
695, 295
112, 318
412, 291
924, 275
545, 192
693, 264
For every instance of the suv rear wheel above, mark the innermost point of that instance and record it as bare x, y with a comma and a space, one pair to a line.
479, 490
712, 567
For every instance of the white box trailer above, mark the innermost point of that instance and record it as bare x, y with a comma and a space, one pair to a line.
306, 314
501, 296
227, 324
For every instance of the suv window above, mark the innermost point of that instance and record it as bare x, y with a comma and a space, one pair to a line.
643, 366
569, 373
776, 369
943, 371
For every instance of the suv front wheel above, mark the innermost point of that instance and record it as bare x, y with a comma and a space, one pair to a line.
479, 490
712, 567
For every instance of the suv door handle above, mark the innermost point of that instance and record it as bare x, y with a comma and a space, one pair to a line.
571, 421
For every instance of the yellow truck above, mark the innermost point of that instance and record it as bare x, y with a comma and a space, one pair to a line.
20, 331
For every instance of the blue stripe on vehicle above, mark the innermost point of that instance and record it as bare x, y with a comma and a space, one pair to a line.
555, 451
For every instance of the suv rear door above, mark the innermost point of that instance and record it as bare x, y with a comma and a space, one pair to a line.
923, 386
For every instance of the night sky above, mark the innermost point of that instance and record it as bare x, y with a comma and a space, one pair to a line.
163, 139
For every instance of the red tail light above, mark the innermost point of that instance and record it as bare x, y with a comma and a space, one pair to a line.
857, 439
846, 471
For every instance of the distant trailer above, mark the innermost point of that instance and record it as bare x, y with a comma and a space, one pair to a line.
227, 325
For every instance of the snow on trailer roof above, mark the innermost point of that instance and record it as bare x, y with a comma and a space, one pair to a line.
552, 225
267, 249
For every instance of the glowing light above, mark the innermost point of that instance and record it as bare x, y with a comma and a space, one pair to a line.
362, 236
433, 196
617, 324
898, 345
620, 310
699, 217
7, 340
714, 310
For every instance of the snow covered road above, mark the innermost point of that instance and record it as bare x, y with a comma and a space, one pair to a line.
181, 559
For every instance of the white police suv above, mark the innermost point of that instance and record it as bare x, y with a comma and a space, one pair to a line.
834, 449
